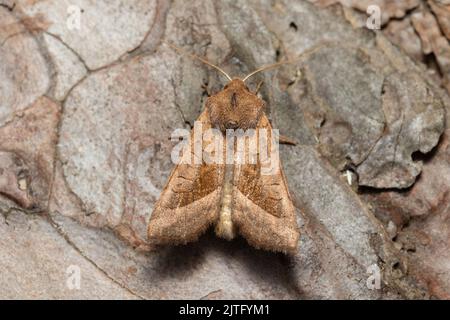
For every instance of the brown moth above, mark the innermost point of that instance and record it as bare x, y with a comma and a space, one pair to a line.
235, 198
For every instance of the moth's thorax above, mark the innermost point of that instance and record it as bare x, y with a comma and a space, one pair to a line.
235, 107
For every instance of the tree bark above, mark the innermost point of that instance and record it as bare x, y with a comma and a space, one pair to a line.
86, 115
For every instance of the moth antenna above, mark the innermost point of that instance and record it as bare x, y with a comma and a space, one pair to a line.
277, 64
266, 67
183, 52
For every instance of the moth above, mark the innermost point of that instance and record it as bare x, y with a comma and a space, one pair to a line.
236, 198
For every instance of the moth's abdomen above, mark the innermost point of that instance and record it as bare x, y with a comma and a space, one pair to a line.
225, 227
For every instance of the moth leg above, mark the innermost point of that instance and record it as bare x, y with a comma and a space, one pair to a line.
206, 89
286, 140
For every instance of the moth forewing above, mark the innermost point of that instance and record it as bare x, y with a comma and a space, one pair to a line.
263, 211
189, 203
269, 151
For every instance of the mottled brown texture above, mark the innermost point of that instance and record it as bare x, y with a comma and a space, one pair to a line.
403, 33
194, 197
189, 203
263, 209
433, 41
442, 11
13, 181
31, 137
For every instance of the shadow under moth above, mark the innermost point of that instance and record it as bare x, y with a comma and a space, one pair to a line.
236, 194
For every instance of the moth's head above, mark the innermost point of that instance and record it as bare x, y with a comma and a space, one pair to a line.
235, 107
